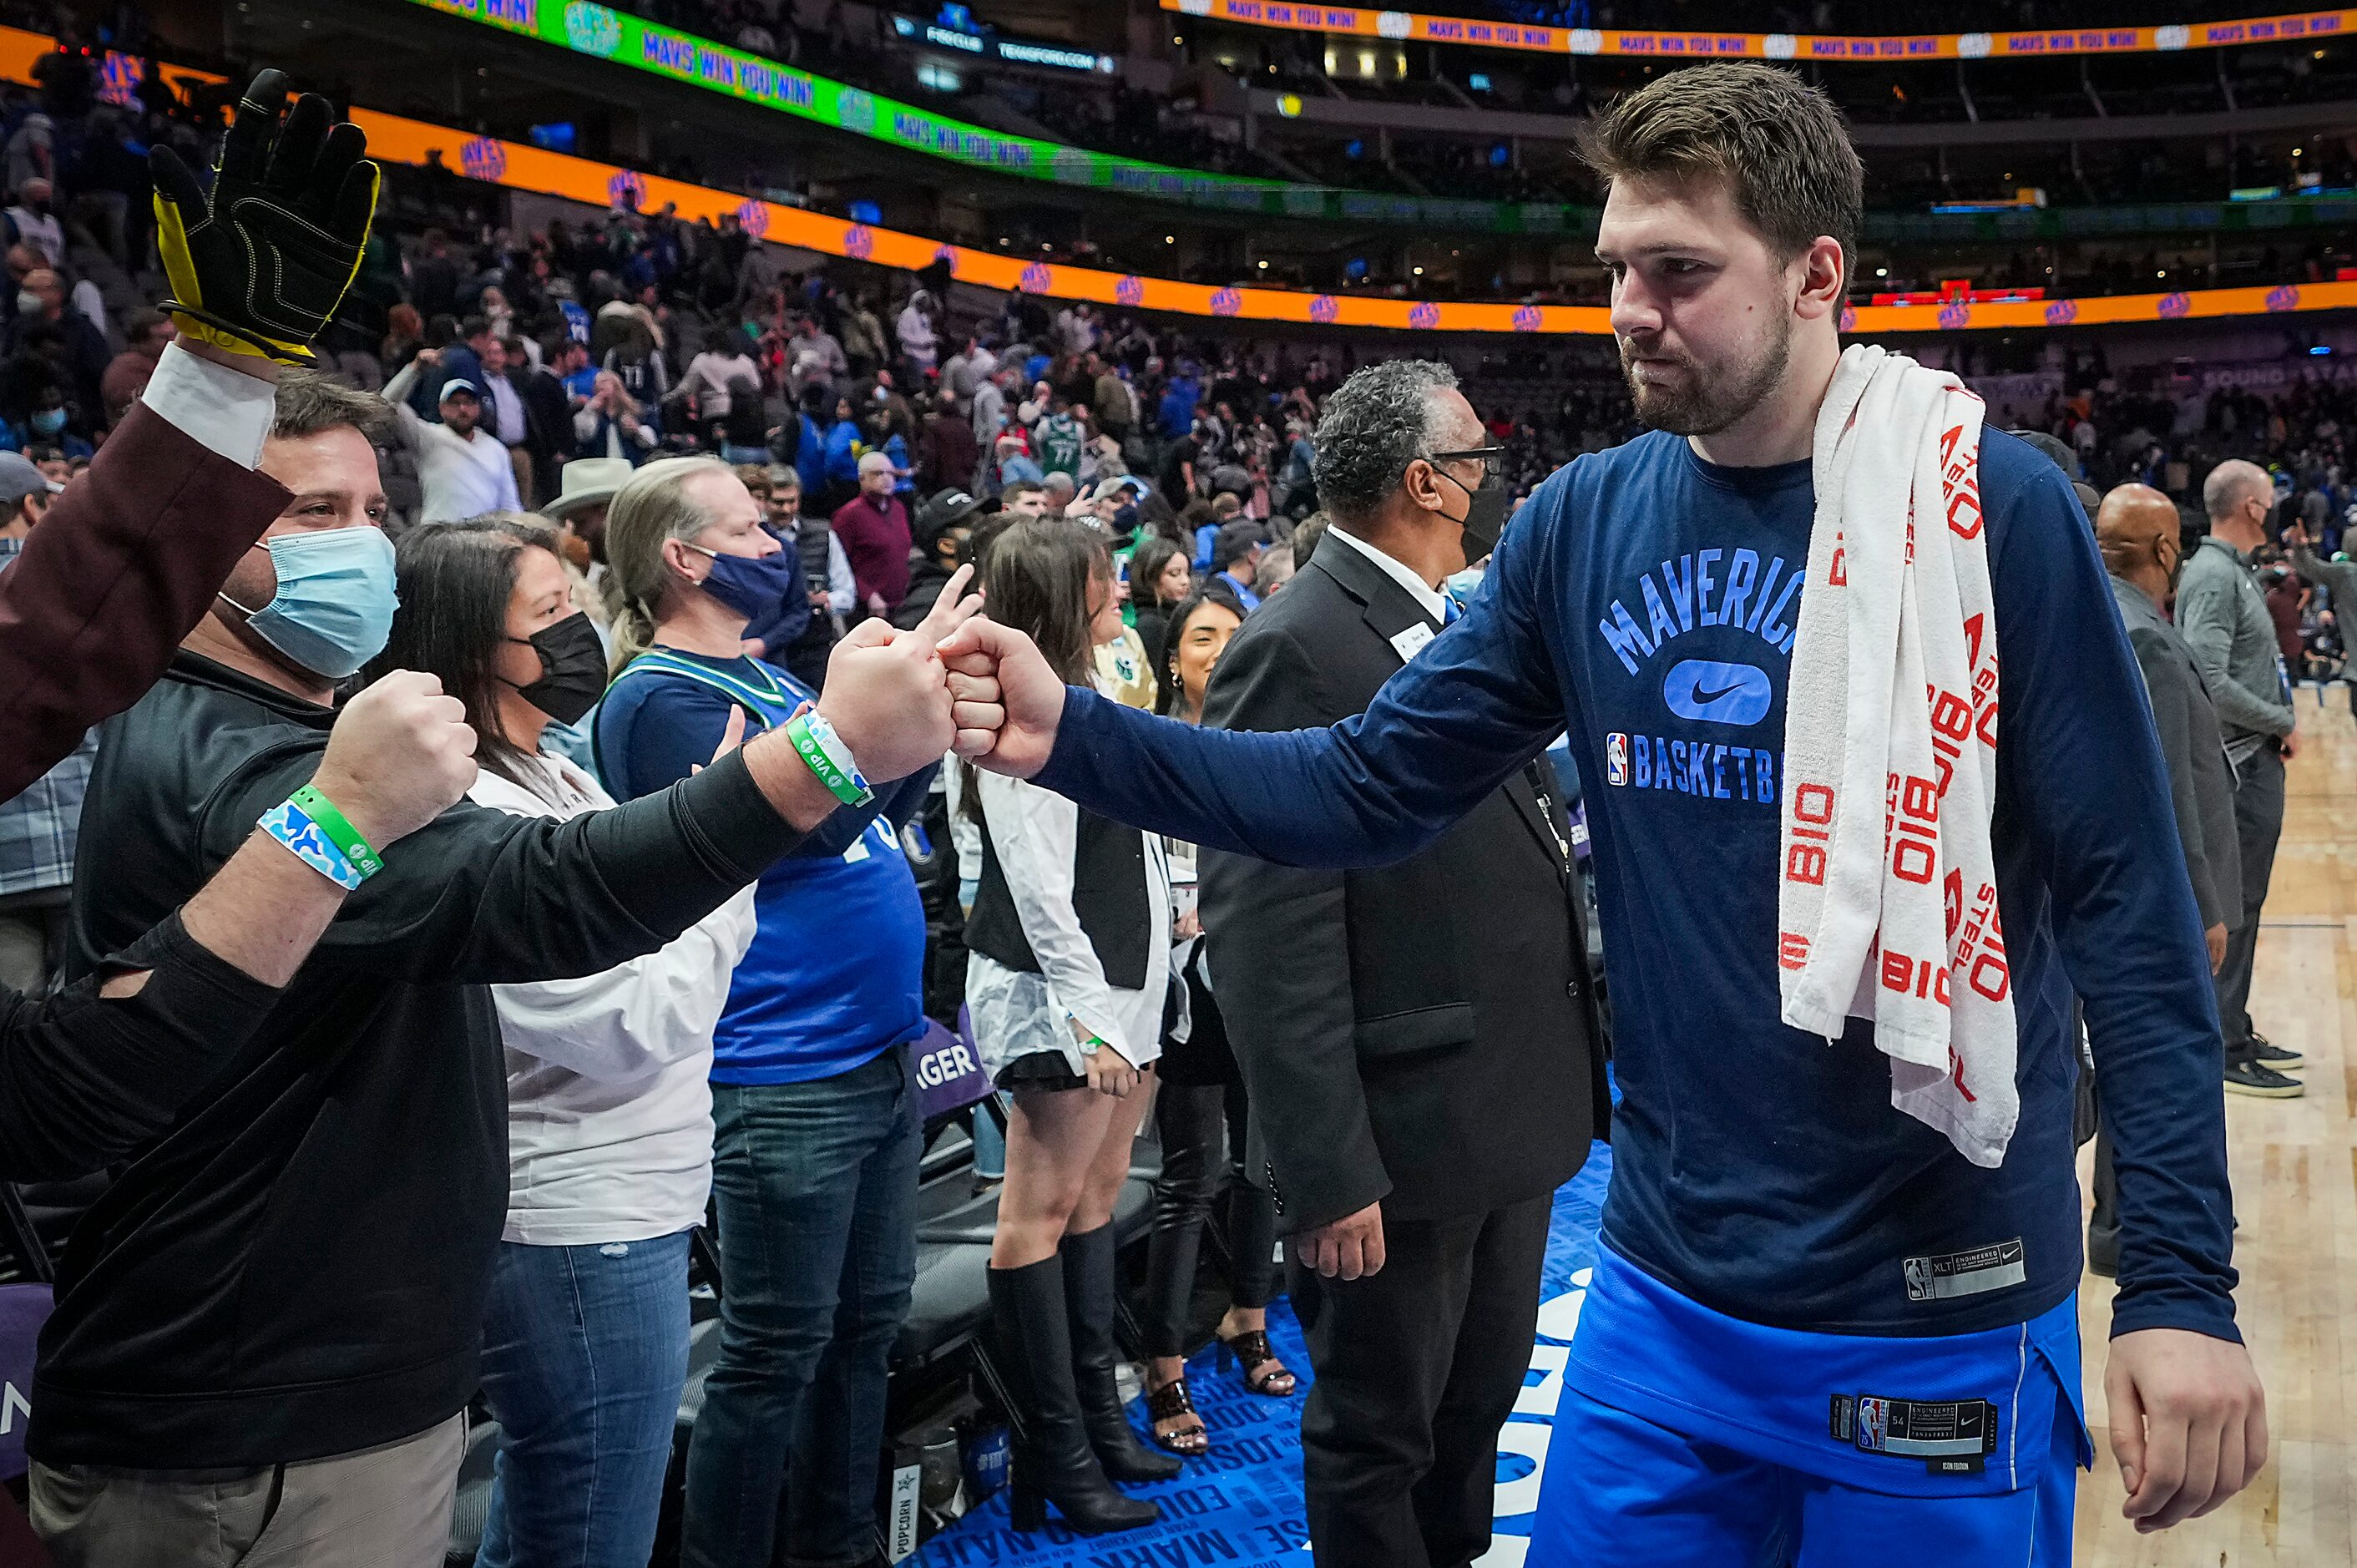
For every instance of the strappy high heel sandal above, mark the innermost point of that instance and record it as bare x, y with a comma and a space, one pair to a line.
1171, 1401
1253, 1350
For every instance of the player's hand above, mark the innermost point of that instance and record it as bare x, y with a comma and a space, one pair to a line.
1014, 729
2216, 937
2291, 744
1350, 1248
2188, 1422
400, 754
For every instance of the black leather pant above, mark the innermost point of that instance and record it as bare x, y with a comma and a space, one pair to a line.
1192, 1121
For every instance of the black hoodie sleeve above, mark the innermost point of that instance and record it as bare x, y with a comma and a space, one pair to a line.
485, 897
86, 1079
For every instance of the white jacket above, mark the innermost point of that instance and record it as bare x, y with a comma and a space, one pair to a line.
609, 1106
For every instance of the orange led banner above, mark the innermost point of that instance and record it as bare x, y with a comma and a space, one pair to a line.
601, 185
2303, 26
394, 138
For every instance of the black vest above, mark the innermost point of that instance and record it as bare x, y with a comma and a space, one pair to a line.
1109, 894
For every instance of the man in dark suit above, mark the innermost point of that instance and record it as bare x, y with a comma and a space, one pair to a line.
1424, 1065
547, 411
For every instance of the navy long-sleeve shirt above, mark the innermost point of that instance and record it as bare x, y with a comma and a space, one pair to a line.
1644, 600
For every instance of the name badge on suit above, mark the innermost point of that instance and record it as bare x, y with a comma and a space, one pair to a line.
1411, 642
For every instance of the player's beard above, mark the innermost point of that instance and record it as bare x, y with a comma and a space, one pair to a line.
1702, 400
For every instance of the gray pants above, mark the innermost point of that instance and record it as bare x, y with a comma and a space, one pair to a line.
2259, 822
380, 1507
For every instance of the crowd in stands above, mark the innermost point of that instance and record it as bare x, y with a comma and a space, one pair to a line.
731, 466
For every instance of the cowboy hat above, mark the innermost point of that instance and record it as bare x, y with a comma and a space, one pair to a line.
583, 482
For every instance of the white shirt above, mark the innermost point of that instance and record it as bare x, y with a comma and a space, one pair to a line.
609, 1100
222, 410
506, 404
916, 335
715, 373
43, 232
462, 476
1426, 596
1036, 833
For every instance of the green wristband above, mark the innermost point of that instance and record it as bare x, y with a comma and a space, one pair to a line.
838, 783
340, 829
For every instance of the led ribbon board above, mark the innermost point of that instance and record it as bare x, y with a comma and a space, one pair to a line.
585, 28
1408, 26
517, 165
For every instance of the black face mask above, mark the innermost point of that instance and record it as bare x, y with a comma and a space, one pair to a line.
572, 665
1485, 515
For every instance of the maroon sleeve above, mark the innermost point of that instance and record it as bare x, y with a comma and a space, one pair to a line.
124, 563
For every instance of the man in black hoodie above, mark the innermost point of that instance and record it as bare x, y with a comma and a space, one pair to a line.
944, 535
266, 1329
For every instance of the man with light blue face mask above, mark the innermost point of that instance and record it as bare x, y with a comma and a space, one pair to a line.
283, 1289
349, 1176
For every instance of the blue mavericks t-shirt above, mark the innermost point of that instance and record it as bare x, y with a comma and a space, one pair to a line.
835, 976
1759, 1168
1645, 601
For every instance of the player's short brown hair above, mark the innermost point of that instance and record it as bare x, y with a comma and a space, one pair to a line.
1778, 142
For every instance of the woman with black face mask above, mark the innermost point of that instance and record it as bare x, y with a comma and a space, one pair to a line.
609, 1115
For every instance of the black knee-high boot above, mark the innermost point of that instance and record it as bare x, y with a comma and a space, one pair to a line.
1096, 1358
1053, 1462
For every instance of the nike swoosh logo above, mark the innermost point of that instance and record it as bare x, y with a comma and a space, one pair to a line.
1703, 699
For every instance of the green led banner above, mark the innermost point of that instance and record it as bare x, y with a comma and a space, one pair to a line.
600, 31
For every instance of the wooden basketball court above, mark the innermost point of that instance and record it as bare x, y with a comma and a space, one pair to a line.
2295, 1171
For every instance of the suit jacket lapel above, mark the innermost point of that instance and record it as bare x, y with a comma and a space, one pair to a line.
1390, 609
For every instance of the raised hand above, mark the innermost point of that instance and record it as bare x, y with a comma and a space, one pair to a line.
401, 754
259, 264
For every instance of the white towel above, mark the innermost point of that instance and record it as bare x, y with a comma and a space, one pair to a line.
1887, 907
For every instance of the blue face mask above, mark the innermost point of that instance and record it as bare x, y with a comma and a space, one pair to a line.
1459, 586
755, 587
333, 609
49, 421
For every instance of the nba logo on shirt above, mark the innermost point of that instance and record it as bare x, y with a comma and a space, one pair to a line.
1615, 759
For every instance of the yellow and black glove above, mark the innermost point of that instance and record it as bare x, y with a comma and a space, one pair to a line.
260, 265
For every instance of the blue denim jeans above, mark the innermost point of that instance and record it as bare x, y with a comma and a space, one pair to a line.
816, 1185
585, 1350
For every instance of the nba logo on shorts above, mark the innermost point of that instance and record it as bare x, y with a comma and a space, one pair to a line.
1615, 759
1873, 1422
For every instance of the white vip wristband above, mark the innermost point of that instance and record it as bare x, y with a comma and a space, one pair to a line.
837, 756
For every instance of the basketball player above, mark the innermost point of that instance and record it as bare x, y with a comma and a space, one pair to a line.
1817, 1332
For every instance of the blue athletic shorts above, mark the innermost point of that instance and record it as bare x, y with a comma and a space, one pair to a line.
1689, 1437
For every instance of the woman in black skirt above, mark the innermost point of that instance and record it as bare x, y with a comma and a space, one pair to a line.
1201, 1105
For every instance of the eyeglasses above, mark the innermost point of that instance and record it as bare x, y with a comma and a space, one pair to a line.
1470, 455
